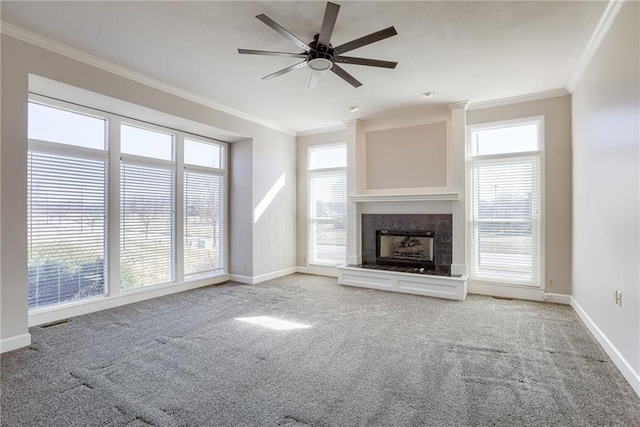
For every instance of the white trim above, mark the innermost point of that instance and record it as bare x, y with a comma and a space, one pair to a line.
55, 313
554, 93
444, 196
334, 128
618, 359
506, 291
241, 279
557, 298
319, 270
111, 67
252, 280
394, 281
606, 21
14, 343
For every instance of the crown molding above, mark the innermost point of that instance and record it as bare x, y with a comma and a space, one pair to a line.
111, 67
606, 21
518, 99
319, 131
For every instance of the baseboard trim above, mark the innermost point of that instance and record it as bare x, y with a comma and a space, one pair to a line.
506, 291
318, 270
252, 280
14, 343
558, 298
80, 308
621, 363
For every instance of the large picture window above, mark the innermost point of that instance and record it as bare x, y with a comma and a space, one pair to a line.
81, 162
327, 204
505, 202
67, 206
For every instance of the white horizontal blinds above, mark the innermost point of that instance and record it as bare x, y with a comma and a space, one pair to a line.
506, 227
505, 206
67, 228
328, 211
147, 207
147, 224
203, 224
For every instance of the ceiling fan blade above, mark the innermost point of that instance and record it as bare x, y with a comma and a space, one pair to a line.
363, 41
365, 61
314, 80
285, 70
329, 21
340, 72
270, 53
274, 25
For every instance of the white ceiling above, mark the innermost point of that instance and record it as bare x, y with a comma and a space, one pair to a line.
478, 51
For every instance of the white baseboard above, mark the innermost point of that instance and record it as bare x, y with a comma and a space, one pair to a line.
252, 280
621, 363
14, 343
506, 291
557, 298
319, 270
79, 308
241, 279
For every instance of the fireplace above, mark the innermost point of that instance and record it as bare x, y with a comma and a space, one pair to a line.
405, 248
433, 232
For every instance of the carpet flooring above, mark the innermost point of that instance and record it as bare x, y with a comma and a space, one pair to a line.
369, 358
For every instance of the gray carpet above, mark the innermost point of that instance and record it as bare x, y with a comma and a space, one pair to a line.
370, 358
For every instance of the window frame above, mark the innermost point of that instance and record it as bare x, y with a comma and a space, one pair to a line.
310, 221
207, 170
113, 156
471, 160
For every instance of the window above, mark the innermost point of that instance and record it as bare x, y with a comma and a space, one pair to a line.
328, 204
505, 202
167, 196
203, 209
67, 206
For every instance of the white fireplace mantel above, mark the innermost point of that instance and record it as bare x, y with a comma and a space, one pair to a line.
426, 197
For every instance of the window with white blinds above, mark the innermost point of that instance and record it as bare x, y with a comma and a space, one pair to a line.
204, 208
505, 208
78, 247
203, 223
67, 207
147, 225
328, 205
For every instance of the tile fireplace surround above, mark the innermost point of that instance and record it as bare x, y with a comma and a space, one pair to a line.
401, 280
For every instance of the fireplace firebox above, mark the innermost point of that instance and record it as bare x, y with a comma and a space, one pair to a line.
405, 248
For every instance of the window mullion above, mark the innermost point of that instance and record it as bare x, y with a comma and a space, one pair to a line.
113, 244
179, 210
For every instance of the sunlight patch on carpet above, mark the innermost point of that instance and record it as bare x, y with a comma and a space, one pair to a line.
273, 323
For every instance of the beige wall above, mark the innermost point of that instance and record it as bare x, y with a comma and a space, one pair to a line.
557, 178
606, 189
20, 58
409, 157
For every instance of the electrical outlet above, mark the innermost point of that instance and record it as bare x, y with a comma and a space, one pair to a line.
244, 268
550, 281
305, 260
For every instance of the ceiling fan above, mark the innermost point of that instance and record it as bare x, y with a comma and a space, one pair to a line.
319, 55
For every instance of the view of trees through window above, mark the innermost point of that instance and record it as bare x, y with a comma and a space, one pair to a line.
505, 203
68, 199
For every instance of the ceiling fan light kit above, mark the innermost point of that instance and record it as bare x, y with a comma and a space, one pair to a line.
319, 55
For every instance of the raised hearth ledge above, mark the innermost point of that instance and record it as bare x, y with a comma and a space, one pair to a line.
451, 196
420, 284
